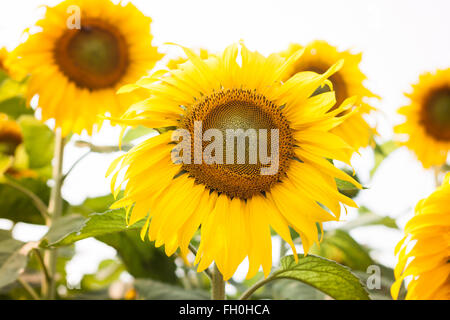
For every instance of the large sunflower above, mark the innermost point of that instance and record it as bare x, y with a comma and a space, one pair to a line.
428, 262
347, 82
427, 125
76, 72
233, 203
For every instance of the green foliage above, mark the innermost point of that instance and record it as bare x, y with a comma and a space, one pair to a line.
154, 290
72, 228
347, 188
13, 258
135, 133
108, 271
382, 151
339, 246
39, 143
368, 218
12, 97
18, 207
325, 275
141, 259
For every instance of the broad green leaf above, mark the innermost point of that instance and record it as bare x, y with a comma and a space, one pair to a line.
141, 259
325, 275
286, 289
72, 228
155, 290
13, 259
339, 246
382, 151
134, 133
18, 207
368, 218
39, 142
15, 107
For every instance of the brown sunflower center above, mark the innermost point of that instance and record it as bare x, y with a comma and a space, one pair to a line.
436, 114
94, 56
263, 131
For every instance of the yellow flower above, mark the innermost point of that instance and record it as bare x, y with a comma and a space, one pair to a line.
347, 82
429, 230
427, 125
234, 204
3, 57
77, 71
175, 62
10, 135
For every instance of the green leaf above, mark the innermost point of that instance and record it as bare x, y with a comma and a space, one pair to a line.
13, 259
18, 207
368, 218
15, 107
39, 142
382, 151
155, 290
287, 289
339, 246
325, 275
141, 259
72, 228
135, 133
386, 280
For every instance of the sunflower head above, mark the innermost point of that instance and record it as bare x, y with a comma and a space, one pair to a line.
427, 263
426, 129
236, 99
347, 82
84, 52
10, 135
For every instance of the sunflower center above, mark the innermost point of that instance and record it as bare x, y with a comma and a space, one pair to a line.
94, 56
243, 120
436, 115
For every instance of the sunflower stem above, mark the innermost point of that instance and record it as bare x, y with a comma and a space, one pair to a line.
217, 285
55, 209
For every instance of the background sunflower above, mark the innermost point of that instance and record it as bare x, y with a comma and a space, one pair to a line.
76, 72
347, 82
426, 264
427, 123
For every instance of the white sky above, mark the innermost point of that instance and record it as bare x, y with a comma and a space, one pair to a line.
399, 40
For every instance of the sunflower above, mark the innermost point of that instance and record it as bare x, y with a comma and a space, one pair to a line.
175, 62
3, 57
427, 125
234, 203
77, 71
347, 82
430, 264
10, 135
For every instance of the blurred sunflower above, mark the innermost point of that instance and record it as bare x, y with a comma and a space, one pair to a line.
347, 82
77, 71
3, 57
11, 156
234, 204
428, 262
427, 124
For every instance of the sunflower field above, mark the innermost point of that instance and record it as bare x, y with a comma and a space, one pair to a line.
210, 150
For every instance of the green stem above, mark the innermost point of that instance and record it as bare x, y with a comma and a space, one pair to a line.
55, 209
217, 285
29, 289
255, 287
